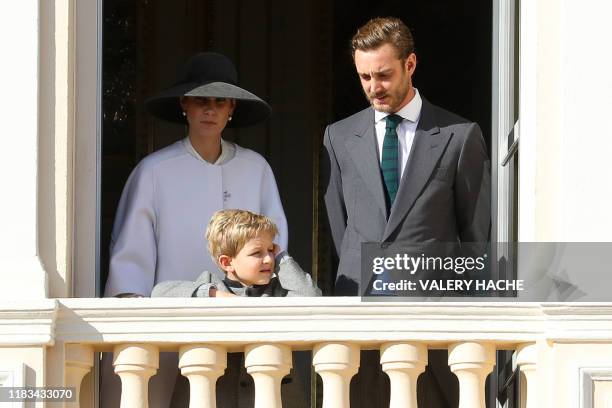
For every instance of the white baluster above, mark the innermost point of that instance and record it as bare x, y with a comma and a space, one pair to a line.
403, 362
79, 361
135, 364
202, 365
336, 363
471, 362
527, 360
267, 364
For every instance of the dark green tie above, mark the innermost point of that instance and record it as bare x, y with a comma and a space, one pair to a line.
389, 162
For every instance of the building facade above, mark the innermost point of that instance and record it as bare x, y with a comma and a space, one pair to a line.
551, 90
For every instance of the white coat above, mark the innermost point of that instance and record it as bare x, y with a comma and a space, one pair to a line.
160, 224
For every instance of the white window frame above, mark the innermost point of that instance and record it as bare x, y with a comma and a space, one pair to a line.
588, 376
88, 146
506, 132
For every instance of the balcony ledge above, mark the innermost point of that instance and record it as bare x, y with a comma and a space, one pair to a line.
300, 322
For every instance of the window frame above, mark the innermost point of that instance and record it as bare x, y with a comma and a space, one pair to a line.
505, 132
88, 147
505, 117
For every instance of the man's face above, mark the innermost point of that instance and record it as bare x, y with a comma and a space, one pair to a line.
386, 79
254, 263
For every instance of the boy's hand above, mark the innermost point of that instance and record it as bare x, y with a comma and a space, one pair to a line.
217, 293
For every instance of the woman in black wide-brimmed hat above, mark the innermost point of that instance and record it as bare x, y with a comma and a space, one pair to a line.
159, 227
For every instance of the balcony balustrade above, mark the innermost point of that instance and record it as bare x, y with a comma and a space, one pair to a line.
203, 331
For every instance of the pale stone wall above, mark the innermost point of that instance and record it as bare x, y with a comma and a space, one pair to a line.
56, 144
602, 394
26, 365
566, 362
566, 100
22, 273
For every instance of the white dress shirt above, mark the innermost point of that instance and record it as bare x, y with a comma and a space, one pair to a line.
405, 130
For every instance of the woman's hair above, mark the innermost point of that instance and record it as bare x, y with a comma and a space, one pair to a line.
384, 30
229, 230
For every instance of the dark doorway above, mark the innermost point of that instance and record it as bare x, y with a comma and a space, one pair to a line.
295, 55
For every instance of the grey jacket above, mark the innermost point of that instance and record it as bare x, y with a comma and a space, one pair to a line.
288, 280
444, 194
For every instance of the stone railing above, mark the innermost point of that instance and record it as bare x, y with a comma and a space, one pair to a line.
267, 330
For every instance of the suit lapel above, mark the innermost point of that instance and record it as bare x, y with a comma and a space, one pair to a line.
427, 147
362, 148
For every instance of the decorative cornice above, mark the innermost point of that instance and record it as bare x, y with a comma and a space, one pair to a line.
28, 323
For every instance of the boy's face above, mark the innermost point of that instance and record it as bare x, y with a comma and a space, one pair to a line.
254, 263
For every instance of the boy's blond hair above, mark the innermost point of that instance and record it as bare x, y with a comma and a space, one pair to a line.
228, 231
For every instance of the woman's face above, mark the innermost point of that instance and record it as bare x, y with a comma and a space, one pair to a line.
207, 116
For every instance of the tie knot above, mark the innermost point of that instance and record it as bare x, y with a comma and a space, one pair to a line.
392, 121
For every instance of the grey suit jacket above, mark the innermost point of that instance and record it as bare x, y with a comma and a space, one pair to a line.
444, 193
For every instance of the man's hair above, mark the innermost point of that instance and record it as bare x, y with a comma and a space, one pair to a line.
384, 30
229, 230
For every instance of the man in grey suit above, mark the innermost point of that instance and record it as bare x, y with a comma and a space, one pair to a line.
402, 170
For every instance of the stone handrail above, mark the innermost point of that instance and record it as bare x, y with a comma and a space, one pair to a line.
267, 329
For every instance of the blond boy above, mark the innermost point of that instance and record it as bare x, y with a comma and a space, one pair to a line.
242, 245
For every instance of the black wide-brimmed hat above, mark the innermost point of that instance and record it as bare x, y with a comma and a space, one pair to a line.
213, 75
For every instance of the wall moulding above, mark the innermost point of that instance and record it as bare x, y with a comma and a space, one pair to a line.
28, 323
